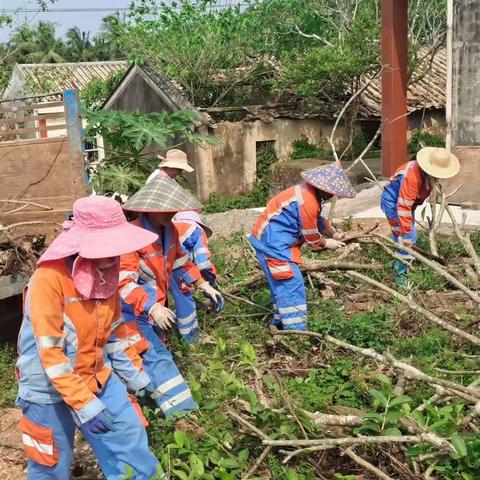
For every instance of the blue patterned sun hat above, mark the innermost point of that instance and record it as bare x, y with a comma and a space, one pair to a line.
331, 179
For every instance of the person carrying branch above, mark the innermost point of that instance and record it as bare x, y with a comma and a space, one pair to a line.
291, 219
72, 336
193, 236
408, 188
145, 277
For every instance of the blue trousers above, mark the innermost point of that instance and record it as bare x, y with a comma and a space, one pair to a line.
171, 392
186, 311
126, 444
289, 297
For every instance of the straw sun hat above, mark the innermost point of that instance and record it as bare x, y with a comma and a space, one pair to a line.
438, 162
175, 159
162, 194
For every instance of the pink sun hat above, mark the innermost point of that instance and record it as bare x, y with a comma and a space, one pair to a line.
99, 229
189, 216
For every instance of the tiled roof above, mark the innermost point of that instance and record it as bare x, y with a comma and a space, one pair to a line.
44, 78
425, 90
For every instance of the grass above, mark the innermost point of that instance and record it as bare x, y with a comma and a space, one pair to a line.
297, 373
8, 381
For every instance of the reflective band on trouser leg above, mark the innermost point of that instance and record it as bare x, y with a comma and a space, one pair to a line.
291, 299
127, 443
171, 392
57, 418
288, 296
186, 312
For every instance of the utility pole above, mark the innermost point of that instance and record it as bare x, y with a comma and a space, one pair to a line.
394, 84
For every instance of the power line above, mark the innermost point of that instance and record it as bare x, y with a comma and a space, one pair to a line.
64, 10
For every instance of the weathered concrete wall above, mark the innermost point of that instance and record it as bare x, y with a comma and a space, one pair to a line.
466, 98
235, 160
48, 172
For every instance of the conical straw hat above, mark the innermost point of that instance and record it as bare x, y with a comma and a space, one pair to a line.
162, 194
331, 179
438, 162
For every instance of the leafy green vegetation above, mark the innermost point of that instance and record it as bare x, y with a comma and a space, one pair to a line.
8, 381
129, 138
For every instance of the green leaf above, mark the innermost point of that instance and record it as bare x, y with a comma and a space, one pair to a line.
180, 474
400, 400
393, 432
379, 397
181, 438
459, 445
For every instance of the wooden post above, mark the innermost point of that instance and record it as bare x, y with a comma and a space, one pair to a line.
394, 84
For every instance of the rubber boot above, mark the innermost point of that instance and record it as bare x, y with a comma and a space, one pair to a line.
401, 272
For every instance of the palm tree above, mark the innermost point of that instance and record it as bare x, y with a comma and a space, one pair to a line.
80, 48
107, 42
47, 48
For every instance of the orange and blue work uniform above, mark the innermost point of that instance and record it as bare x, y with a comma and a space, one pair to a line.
407, 189
67, 348
194, 243
290, 219
145, 280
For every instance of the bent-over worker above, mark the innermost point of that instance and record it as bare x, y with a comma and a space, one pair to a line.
291, 219
193, 237
408, 188
145, 277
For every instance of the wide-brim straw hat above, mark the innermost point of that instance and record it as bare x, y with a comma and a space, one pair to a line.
175, 158
193, 217
438, 162
99, 229
162, 194
331, 179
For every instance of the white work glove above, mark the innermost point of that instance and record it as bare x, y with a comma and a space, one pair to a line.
162, 316
337, 235
214, 295
332, 244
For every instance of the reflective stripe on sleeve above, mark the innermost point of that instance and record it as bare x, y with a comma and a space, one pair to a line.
58, 370
46, 341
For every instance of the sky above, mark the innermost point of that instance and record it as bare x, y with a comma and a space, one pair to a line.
85, 20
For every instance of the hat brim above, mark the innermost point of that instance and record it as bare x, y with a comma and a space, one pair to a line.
180, 165
113, 242
350, 193
208, 231
423, 159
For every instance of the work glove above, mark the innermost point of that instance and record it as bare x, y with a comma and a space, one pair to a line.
338, 235
98, 424
143, 392
162, 316
214, 295
332, 244
406, 242
210, 277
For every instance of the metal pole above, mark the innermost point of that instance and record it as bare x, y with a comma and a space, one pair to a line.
448, 93
394, 84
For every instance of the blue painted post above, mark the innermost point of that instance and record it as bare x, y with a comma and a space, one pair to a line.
73, 118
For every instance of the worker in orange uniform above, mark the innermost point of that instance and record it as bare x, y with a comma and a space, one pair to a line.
71, 336
173, 164
193, 235
145, 277
408, 188
291, 219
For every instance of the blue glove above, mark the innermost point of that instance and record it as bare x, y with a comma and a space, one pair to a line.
209, 276
98, 424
